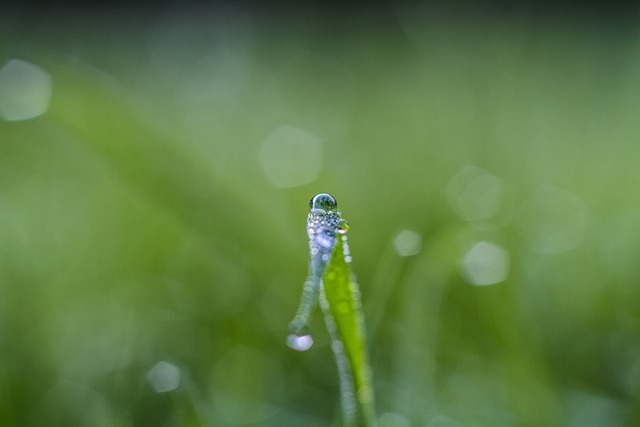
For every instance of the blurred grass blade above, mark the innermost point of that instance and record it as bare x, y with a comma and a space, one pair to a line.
343, 311
116, 125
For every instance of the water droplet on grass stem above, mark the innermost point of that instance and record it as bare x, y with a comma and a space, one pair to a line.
323, 202
343, 226
300, 342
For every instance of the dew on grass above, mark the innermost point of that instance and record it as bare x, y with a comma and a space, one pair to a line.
302, 342
325, 239
343, 226
323, 225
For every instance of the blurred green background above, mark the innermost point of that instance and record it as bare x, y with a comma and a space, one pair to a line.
155, 172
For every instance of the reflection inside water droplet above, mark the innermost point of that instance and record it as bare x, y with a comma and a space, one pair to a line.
323, 201
300, 342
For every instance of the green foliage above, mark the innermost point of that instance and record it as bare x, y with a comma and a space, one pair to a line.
138, 226
344, 307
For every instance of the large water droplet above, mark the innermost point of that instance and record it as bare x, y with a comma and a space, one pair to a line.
300, 342
323, 201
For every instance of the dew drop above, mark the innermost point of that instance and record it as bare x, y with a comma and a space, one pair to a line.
323, 202
300, 342
343, 226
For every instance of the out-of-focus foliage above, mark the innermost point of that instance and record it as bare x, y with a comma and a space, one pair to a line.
155, 168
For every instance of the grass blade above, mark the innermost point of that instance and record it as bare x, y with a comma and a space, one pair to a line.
343, 310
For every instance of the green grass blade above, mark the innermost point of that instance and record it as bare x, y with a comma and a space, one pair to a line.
344, 306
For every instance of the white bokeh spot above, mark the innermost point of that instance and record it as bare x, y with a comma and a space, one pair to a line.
475, 194
291, 157
164, 377
485, 263
25, 91
407, 243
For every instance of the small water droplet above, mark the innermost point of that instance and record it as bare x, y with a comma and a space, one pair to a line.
343, 226
300, 342
323, 202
